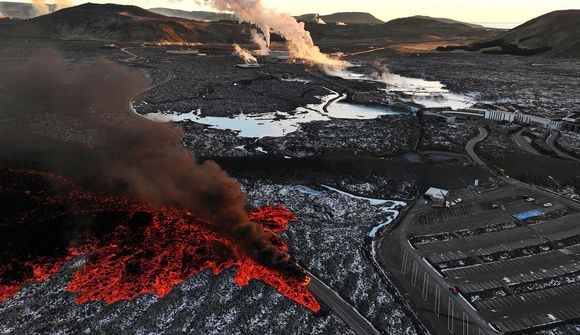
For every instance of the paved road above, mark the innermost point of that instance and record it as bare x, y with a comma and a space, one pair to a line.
551, 141
470, 147
346, 312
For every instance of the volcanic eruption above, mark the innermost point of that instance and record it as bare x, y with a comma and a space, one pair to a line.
150, 213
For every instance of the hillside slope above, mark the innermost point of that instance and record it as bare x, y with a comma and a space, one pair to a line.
344, 17
123, 23
194, 15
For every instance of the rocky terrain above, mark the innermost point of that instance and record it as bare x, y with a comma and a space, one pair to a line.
332, 222
438, 135
385, 136
530, 85
553, 34
570, 142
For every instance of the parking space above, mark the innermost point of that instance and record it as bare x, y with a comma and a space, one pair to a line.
539, 274
472, 241
444, 215
451, 255
481, 286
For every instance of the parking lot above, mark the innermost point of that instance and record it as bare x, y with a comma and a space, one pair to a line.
511, 254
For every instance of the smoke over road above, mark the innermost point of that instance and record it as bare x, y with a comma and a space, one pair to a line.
299, 40
74, 120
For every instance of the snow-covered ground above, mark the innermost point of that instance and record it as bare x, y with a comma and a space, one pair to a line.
329, 239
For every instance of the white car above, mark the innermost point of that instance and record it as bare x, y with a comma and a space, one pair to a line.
548, 205
459, 200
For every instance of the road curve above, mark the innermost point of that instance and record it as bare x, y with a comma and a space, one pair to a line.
551, 142
470, 147
359, 324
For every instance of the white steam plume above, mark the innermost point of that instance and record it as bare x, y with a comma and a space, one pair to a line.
245, 55
261, 41
299, 40
41, 7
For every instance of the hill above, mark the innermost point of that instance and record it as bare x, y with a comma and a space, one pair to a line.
195, 15
437, 26
412, 28
346, 18
123, 23
553, 34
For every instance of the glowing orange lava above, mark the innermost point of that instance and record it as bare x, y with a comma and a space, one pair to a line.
131, 247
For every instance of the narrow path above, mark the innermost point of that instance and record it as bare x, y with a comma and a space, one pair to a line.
551, 142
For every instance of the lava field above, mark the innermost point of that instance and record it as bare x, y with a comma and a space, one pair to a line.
131, 247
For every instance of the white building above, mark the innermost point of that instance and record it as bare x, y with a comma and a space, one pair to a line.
436, 194
523, 119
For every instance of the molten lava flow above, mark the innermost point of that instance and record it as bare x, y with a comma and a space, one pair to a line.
131, 248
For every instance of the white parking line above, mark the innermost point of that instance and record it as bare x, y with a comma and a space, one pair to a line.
425, 285
415, 271
404, 266
450, 313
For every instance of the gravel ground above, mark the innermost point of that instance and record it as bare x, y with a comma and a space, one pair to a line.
387, 136
441, 136
570, 142
329, 240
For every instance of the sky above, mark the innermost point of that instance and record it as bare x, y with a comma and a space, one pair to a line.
480, 11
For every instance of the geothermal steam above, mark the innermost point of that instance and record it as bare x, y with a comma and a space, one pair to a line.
245, 55
75, 120
260, 40
299, 40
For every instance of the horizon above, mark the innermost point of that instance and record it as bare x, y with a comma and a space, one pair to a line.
493, 13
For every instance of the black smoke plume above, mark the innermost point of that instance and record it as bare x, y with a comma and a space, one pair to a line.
75, 120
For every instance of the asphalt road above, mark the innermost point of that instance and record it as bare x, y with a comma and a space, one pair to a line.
470, 147
345, 311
